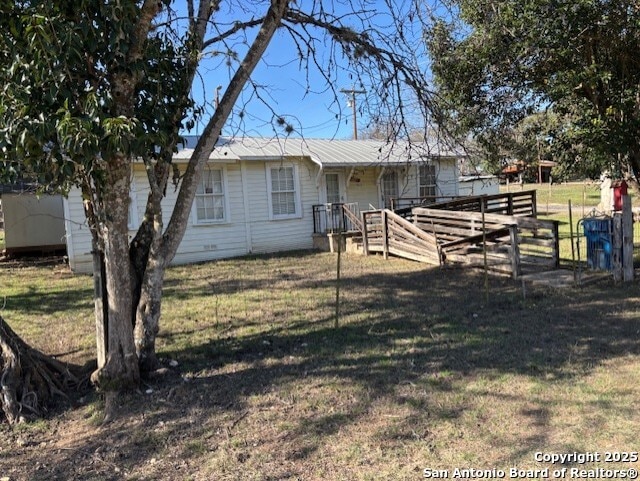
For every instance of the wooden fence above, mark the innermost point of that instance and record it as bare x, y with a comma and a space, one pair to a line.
510, 203
514, 244
408, 202
387, 232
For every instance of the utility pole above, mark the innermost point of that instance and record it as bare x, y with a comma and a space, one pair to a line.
352, 92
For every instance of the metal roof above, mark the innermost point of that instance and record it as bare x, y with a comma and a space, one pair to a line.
324, 152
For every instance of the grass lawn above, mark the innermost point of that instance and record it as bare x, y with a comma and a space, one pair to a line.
553, 205
421, 373
581, 194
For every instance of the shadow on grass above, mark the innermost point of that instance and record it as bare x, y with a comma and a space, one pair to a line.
428, 329
38, 302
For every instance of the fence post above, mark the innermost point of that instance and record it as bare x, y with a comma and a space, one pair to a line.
510, 204
556, 244
534, 203
616, 251
627, 239
484, 255
365, 234
345, 228
385, 234
516, 269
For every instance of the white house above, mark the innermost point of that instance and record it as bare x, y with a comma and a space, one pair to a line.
257, 195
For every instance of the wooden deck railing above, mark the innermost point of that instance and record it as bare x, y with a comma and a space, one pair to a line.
515, 244
510, 203
352, 214
408, 202
389, 233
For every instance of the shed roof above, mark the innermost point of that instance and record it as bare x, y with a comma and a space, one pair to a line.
324, 152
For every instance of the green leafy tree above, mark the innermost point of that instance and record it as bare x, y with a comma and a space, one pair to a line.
89, 87
498, 61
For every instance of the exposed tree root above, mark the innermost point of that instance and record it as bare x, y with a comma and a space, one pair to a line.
30, 381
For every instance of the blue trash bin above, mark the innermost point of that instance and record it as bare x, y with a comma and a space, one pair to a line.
597, 231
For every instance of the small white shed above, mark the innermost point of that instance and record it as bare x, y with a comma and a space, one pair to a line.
32, 223
478, 185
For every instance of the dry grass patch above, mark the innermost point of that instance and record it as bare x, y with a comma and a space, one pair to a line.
421, 373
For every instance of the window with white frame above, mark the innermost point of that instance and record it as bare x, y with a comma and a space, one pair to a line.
427, 180
210, 197
284, 196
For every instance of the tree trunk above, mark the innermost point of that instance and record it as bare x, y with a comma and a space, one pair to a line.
149, 269
121, 367
149, 300
148, 314
634, 167
29, 380
164, 246
100, 304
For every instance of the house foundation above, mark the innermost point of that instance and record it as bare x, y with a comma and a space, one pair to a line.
350, 242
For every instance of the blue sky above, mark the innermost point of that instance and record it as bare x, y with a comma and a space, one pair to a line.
314, 114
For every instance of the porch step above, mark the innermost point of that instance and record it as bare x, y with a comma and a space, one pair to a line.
355, 245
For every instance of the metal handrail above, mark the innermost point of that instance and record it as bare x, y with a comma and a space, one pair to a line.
336, 217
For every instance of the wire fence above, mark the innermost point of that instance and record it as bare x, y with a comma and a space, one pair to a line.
574, 244
575, 250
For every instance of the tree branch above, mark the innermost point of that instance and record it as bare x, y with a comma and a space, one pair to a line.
207, 141
148, 12
237, 27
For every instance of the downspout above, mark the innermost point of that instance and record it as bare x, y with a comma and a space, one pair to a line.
244, 175
353, 169
319, 174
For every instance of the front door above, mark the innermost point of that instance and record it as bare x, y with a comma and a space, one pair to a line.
334, 197
333, 190
389, 187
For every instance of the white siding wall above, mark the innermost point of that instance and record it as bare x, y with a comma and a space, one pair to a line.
203, 242
247, 228
446, 179
77, 233
287, 234
408, 180
447, 176
364, 192
479, 186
